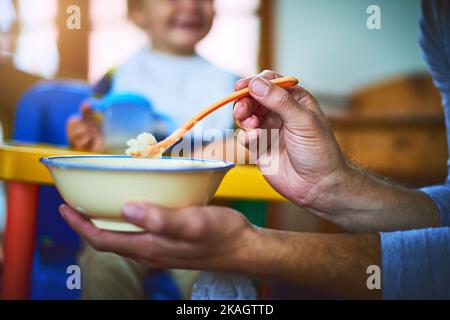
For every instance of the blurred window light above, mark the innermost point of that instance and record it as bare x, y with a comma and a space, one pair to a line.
7, 15
37, 50
233, 43
113, 37
8, 19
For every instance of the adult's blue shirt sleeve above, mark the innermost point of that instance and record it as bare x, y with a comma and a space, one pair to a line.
416, 264
435, 42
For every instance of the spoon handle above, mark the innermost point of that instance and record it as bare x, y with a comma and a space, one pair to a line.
285, 82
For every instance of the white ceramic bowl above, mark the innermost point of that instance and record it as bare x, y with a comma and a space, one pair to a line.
99, 186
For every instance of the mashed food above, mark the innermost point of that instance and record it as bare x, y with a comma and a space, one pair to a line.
141, 146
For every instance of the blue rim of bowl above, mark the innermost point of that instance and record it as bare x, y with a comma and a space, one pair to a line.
54, 162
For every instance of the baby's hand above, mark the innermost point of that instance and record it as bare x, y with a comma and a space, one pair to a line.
85, 132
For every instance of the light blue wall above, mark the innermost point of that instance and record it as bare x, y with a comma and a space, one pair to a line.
328, 45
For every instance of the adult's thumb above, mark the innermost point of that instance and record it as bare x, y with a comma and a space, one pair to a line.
275, 99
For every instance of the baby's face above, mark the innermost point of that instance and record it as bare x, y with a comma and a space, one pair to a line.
178, 25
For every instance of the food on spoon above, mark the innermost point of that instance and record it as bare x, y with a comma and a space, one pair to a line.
141, 147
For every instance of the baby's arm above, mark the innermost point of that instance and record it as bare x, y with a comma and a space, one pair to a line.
84, 132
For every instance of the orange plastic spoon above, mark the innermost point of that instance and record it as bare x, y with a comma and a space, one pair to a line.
159, 148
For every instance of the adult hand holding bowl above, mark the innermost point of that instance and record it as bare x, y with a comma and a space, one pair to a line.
99, 186
194, 238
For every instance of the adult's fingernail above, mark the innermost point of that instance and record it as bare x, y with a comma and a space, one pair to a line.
62, 210
259, 87
133, 212
237, 108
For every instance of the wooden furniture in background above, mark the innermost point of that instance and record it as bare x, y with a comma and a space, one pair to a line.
266, 51
410, 149
73, 45
397, 129
407, 95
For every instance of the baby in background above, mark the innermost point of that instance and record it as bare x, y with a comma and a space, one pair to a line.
168, 73
173, 78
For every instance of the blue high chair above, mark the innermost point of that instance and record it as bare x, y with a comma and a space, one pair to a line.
41, 118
